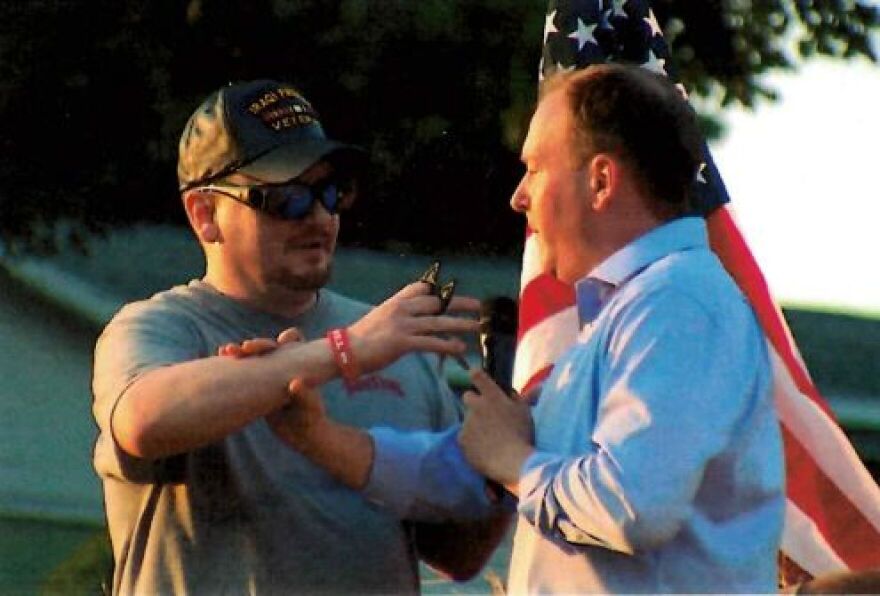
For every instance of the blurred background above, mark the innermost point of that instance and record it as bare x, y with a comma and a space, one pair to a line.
94, 93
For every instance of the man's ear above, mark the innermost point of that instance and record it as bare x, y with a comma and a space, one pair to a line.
201, 214
604, 178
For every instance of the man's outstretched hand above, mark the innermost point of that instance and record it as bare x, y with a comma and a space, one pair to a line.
260, 345
299, 424
410, 321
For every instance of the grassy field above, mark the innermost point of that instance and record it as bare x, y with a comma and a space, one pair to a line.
37, 556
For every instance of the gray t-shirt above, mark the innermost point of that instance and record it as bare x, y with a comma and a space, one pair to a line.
248, 514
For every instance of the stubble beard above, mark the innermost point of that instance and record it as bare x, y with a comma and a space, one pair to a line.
312, 280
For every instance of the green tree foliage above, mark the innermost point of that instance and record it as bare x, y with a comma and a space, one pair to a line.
95, 92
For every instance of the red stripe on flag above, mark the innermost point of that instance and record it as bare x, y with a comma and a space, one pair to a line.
730, 246
842, 524
535, 381
542, 297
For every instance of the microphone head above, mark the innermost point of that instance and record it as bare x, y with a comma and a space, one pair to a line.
498, 338
498, 315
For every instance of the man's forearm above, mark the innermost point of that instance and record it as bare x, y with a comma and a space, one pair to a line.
188, 405
458, 549
344, 452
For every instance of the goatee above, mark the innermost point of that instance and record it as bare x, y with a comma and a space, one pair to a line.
312, 280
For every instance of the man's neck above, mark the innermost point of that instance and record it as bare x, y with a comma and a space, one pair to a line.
608, 239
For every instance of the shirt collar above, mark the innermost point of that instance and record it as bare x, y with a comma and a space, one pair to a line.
593, 291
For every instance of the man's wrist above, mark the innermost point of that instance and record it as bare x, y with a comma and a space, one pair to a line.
346, 452
343, 355
308, 437
312, 362
512, 472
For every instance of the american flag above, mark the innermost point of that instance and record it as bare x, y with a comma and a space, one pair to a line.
832, 518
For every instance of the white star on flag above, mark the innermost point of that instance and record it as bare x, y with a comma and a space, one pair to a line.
700, 177
652, 22
549, 26
617, 9
655, 64
682, 90
584, 34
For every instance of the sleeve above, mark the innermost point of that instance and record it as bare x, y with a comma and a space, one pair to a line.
140, 338
423, 476
674, 383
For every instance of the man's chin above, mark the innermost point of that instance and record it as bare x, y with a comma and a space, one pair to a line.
314, 279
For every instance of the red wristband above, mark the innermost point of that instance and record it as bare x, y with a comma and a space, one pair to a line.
340, 346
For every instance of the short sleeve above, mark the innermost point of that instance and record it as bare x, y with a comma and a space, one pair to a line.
142, 337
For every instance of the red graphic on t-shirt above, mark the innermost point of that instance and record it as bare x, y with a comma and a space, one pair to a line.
374, 383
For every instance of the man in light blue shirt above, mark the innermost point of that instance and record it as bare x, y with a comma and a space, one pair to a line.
656, 464
655, 460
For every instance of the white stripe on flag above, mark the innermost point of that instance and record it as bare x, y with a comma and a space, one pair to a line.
803, 543
543, 344
531, 261
826, 443
792, 344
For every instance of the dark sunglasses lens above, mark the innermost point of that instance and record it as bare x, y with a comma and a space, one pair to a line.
295, 201
289, 202
330, 198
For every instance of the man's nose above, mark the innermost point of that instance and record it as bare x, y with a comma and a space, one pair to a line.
519, 201
319, 214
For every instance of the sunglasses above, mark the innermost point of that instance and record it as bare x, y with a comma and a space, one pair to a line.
291, 200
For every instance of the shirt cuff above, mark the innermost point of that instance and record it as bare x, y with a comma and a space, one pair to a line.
423, 476
536, 471
397, 461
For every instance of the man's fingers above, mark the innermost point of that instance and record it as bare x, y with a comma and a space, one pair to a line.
430, 305
304, 393
417, 288
421, 305
444, 324
421, 301
438, 345
230, 350
485, 385
298, 386
464, 304
254, 347
468, 397
289, 336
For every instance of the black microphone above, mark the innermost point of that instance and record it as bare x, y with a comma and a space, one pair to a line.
497, 347
498, 339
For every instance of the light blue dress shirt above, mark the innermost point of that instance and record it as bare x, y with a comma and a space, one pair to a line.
658, 463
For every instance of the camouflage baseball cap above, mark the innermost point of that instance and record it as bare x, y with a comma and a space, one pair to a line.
265, 129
